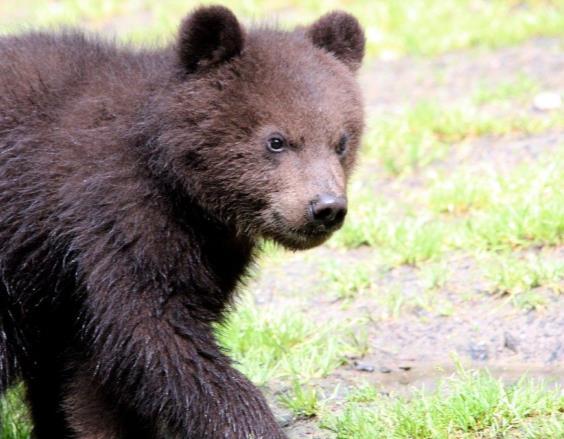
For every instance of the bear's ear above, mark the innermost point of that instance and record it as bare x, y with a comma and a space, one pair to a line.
208, 37
340, 34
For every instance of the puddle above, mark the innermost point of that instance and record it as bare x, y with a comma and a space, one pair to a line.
404, 378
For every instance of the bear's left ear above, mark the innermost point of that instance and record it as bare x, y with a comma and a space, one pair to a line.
340, 34
208, 37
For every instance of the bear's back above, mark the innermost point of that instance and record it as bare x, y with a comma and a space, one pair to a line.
41, 72
59, 122
36, 72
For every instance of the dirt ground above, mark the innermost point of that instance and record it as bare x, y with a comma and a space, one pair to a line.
415, 348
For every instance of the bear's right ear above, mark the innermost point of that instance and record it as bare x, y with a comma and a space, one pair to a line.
340, 34
208, 37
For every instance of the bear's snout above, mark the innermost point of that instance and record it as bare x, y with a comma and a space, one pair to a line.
328, 210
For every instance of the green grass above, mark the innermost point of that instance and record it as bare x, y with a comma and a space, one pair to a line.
345, 282
503, 211
527, 207
469, 405
489, 211
425, 132
393, 28
268, 344
435, 276
520, 87
14, 416
459, 195
410, 240
391, 301
302, 401
519, 209
519, 277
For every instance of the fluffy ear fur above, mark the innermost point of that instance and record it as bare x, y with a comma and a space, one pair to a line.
208, 37
340, 34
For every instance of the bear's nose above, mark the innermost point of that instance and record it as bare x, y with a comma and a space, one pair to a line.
329, 210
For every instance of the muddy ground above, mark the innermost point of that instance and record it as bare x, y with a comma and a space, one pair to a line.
416, 348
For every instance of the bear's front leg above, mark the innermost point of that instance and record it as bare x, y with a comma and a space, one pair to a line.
151, 356
91, 414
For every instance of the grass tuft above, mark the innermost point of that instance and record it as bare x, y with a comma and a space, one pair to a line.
267, 344
302, 401
520, 277
468, 405
14, 415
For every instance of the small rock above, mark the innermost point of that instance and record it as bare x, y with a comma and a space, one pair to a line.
384, 369
405, 368
405, 379
557, 353
284, 419
547, 101
479, 352
363, 367
510, 342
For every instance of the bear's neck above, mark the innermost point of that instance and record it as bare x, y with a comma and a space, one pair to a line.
224, 255
227, 253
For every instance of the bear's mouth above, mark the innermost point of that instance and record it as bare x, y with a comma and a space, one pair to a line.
296, 241
302, 238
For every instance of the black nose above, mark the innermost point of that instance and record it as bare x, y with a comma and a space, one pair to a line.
329, 210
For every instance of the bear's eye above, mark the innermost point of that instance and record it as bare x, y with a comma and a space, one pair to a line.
276, 143
341, 148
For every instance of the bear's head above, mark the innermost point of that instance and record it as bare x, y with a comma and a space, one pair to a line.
261, 127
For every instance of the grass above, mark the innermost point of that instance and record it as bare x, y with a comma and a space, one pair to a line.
520, 87
393, 28
346, 282
469, 405
519, 209
268, 344
519, 277
302, 401
374, 222
14, 416
459, 195
425, 132
392, 302
435, 276
527, 207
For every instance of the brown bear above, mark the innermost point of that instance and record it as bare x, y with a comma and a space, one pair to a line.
134, 187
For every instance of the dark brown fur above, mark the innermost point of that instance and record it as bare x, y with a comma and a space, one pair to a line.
134, 186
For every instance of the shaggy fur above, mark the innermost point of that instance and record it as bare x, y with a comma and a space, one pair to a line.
134, 186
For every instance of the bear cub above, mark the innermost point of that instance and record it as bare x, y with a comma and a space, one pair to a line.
134, 187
